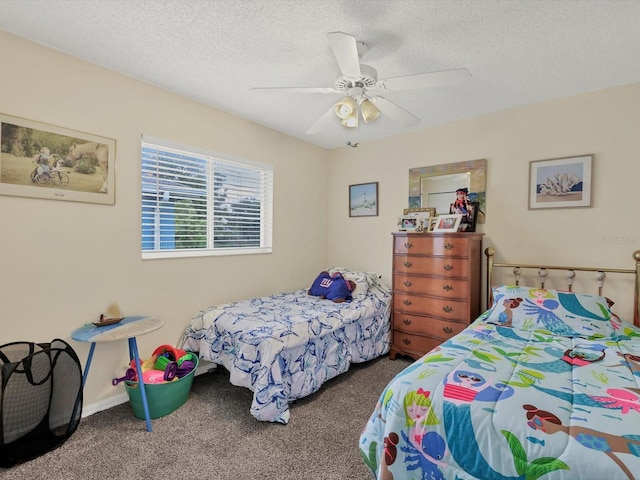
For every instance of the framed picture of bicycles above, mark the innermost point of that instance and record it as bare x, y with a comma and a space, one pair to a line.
45, 161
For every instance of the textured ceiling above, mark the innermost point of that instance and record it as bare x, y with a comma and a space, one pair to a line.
215, 51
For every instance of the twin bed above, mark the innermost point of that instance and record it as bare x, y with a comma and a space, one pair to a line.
285, 346
545, 384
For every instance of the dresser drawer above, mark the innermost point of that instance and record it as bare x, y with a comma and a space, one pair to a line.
434, 307
439, 287
415, 324
428, 244
414, 343
441, 266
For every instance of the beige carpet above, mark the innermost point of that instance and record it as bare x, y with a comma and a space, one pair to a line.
213, 436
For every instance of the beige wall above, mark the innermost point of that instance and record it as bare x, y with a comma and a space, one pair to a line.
62, 263
604, 123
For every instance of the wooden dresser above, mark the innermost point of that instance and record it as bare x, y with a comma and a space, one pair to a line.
436, 288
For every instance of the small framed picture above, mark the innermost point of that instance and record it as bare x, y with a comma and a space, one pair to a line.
423, 210
468, 208
408, 223
560, 182
424, 215
363, 200
448, 223
469, 220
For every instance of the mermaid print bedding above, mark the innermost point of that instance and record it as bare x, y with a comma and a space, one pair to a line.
544, 385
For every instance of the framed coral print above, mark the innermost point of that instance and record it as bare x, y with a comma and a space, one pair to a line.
560, 182
363, 200
447, 223
45, 161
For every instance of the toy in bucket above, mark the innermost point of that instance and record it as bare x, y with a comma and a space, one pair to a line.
186, 364
129, 375
167, 376
149, 373
170, 352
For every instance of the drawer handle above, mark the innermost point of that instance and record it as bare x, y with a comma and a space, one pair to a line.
406, 321
447, 309
407, 283
408, 245
447, 329
407, 302
448, 267
449, 246
448, 288
408, 264
406, 341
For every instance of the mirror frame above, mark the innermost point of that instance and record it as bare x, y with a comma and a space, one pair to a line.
477, 181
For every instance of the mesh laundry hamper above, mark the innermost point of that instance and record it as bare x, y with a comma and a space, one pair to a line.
40, 398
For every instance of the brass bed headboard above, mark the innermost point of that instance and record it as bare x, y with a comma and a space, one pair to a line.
542, 273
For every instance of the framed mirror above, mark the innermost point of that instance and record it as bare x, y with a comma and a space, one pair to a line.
435, 186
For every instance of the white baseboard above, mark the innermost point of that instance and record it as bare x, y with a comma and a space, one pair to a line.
104, 404
115, 400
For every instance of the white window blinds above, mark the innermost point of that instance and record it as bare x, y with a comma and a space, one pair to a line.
201, 203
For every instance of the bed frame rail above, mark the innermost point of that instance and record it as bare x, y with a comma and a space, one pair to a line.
601, 274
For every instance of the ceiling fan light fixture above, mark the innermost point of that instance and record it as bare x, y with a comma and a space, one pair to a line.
358, 81
369, 111
345, 108
351, 121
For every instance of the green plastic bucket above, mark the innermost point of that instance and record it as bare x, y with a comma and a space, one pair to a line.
162, 398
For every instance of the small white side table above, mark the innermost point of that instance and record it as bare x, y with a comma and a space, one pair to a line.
129, 328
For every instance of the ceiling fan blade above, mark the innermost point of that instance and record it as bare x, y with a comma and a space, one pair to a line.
396, 113
325, 119
425, 80
295, 90
346, 51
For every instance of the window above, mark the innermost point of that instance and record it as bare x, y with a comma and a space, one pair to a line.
200, 203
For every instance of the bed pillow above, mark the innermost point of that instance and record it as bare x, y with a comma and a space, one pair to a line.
332, 287
362, 280
567, 314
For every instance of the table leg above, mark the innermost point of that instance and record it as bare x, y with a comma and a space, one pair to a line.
88, 364
133, 353
84, 375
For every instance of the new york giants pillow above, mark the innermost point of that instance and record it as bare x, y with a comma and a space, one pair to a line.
333, 287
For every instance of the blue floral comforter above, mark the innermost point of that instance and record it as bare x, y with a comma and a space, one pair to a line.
285, 346
545, 385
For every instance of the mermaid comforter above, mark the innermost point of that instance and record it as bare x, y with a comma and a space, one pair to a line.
546, 385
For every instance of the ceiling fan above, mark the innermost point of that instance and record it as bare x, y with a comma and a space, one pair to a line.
360, 86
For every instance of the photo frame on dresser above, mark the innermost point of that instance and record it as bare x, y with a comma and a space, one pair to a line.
468, 223
425, 211
448, 223
414, 221
408, 223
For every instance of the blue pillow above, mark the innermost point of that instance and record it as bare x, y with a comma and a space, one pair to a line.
333, 287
